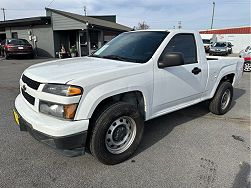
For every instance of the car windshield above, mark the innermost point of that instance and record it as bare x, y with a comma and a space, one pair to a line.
206, 41
137, 47
17, 41
218, 44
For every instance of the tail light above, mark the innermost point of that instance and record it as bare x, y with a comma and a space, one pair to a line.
9, 46
247, 58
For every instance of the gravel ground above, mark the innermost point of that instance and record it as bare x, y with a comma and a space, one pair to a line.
187, 148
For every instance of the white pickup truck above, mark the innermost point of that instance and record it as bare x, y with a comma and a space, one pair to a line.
100, 102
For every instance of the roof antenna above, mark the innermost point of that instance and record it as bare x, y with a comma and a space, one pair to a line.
50, 3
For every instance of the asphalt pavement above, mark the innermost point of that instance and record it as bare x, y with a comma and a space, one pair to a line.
188, 148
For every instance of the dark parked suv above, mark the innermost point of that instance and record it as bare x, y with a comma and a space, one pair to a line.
16, 47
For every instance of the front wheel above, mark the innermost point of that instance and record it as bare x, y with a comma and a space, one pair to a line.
116, 133
222, 99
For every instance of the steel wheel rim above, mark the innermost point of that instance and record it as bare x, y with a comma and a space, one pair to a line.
247, 67
225, 99
120, 135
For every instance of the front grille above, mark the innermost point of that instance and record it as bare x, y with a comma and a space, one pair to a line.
31, 83
28, 97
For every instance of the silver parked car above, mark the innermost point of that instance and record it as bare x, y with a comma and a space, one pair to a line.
221, 48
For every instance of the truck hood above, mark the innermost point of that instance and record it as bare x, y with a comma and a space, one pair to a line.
66, 70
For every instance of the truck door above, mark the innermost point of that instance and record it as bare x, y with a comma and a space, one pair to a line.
175, 86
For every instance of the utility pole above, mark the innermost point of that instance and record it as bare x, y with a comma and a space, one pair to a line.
85, 10
213, 16
3, 9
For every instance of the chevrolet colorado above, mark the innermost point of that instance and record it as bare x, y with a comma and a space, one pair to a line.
100, 102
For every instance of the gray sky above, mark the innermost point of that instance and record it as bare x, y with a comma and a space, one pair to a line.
159, 14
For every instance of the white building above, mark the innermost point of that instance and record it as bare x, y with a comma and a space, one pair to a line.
240, 37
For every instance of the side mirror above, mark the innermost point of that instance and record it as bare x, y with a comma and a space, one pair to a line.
170, 60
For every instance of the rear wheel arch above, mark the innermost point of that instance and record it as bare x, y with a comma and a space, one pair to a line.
227, 78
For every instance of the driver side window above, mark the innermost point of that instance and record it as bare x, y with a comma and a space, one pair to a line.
185, 44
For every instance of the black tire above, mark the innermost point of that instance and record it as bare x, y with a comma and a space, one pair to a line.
103, 123
6, 55
31, 56
216, 104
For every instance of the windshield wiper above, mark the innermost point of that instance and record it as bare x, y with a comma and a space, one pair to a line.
95, 56
115, 57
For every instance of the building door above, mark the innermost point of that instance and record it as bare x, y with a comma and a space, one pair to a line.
83, 43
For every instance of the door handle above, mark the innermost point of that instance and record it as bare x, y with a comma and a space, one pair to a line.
196, 70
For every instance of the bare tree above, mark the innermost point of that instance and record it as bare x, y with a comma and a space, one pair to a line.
142, 26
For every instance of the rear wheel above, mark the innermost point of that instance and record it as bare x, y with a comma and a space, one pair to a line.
222, 99
247, 67
116, 133
6, 55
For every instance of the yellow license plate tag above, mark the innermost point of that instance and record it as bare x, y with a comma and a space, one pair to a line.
16, 117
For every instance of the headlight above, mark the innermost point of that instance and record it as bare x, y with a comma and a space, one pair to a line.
59, 110
63, 90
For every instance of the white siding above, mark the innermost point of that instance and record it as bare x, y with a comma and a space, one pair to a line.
64, 23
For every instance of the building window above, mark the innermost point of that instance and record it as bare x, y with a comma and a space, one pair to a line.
2, 29
14, 35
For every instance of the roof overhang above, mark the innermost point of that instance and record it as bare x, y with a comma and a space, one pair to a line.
26, 22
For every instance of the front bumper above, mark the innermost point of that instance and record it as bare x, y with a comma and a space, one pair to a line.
218, 52
71, 145
19, 52
67, 137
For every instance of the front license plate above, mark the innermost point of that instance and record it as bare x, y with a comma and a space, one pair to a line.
16, 117
20, 48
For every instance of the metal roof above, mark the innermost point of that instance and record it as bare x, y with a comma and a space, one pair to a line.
235, 30
42, 20
92, 21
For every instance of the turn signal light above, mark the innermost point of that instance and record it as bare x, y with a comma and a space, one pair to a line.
70, 110
74, 91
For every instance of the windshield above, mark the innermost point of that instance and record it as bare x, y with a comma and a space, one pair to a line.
17, 41
220, 44
206, 41
136, 47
